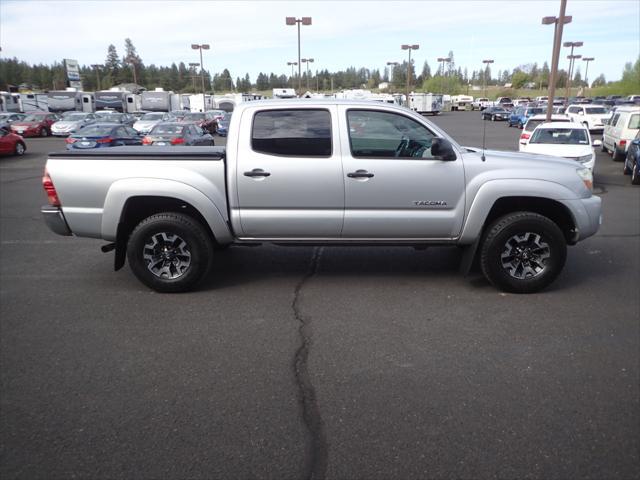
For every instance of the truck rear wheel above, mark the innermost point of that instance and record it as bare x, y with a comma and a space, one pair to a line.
522, 252
170, 252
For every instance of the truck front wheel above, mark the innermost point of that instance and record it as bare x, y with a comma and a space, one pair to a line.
170, 252
522, 252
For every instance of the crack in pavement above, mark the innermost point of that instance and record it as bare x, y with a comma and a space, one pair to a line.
317, 447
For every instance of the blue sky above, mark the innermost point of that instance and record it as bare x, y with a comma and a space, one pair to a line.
251, 36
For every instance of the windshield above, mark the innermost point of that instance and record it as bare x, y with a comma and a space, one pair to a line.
560, 136
152, 116
596, 110
193, 116
76, 117
167, 129
33, 118
95, 131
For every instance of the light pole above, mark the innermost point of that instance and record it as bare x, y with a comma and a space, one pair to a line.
307, 61
204, 46
193, 74
97, 69
571, 58
409, 47
558, 23
292, 65
299, 21
443, 60
486, 62
586, 72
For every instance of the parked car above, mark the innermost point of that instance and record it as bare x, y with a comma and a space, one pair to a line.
632, 160
633, 98
536, 120
569, 140
138, 115
480, 104
37, 124
495, 113
620, 131
150, 120
72, 123
7, 118
178, 115
186, 134
223, 125
520, 115
591, 116
101, 135
11, 143
206, 120
111, 116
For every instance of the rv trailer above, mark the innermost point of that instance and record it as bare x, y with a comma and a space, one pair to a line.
426, 103
65, 100
34, 102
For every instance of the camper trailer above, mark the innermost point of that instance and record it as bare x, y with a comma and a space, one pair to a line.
461, 102
133, 102
111, 100
10, 102
156, 100
65, 100
284, 93
34, 102
197, 104
425, 103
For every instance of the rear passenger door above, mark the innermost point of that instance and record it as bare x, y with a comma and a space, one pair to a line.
289, 174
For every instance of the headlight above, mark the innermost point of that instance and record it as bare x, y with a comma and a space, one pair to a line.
585, 158
587, 177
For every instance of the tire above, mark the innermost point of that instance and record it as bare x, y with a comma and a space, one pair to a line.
493, 118
617, 155
43, 132
187, 260
602, 147
543, 254
635, 174
20, 149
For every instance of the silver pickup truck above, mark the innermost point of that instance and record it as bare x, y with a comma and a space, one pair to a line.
322, 172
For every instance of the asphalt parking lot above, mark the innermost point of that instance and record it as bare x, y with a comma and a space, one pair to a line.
341, 363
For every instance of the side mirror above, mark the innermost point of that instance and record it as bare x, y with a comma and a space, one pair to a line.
441, 148
597, 143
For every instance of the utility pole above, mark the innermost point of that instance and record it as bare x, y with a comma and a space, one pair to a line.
571, 58
299, 21
204, 46
484, 75
409, 47
586, 73
558, 23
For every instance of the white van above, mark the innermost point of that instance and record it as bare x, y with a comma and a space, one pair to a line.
620, 131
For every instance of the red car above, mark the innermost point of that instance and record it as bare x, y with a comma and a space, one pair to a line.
37, 124
11, 143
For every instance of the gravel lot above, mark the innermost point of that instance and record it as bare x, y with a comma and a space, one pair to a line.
413, 371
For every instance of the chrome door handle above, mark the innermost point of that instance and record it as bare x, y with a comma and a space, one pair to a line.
257, 172
360, 174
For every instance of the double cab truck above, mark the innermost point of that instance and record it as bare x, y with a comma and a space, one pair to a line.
323, 172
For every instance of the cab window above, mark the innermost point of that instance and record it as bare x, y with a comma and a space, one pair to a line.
375, 134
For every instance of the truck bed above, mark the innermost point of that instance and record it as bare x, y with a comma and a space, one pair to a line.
145, 152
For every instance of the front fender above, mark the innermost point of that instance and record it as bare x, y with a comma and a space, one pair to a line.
493, 190
122, 190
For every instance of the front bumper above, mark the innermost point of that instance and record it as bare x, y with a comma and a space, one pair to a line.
54, 218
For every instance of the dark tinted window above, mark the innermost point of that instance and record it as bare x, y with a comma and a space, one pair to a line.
300, 133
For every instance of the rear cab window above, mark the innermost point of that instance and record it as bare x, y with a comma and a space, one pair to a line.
292, 133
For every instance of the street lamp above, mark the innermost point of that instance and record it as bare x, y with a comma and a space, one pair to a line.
307, 61
204, 46
558, 23
299, 21
487, 62
571, 58
193, 74
292, 65
394, 64
409, 47
443, 60
97, 68
586, 73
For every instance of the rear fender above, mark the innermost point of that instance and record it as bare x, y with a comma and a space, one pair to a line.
122, 190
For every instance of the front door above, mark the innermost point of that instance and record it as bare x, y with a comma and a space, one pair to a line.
289, 174
394, 187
